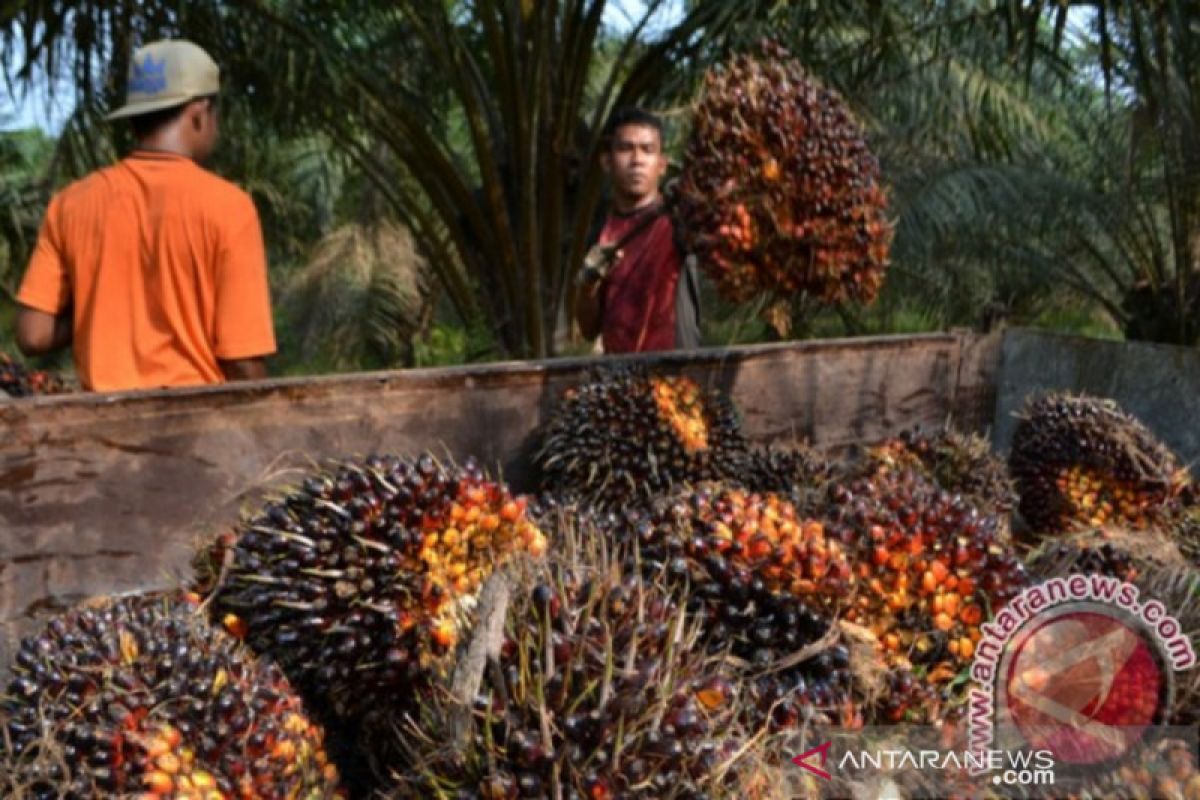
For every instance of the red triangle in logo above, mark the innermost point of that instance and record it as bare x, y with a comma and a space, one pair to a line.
823, 751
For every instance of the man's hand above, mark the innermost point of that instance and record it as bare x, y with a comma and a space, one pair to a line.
597, 263
244, 369
39, 332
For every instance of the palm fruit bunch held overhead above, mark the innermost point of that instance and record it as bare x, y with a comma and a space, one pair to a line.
359, 581
141, 697
599, 691
625, 435
765, 584
17, 380
1082, 461
780, 193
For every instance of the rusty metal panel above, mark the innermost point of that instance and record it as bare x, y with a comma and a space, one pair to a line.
109, 493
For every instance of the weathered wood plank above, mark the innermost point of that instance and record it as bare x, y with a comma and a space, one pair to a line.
104, 494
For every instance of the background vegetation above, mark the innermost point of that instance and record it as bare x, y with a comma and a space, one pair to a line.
427, 171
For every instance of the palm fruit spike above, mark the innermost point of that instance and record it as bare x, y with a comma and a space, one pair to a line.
141, 697
599, 691
1082, 461
780, 192
17, 380
765, 583
960, 463
625, 435
929, 568
358, 581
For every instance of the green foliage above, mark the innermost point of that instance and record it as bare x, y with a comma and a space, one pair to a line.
1042, 167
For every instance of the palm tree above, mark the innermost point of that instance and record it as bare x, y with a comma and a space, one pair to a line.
475, 121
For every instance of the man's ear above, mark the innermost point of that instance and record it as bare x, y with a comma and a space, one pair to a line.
195, 112
606, 161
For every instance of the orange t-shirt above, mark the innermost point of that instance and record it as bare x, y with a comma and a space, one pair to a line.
165, 267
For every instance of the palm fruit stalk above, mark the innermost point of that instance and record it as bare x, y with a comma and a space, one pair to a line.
141, 697
18, 380
960, 463
766, 585
359, 582
1083, 462
780, 193
599, 690
929, 569
625, 436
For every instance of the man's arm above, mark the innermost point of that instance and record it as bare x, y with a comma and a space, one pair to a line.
39, 332
244, 369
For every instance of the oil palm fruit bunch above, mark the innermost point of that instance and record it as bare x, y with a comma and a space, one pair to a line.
358, 582
1082, 461
17, 380
599, 691
626, 435
141, 697
780, 193
765, 584
797, 471
734, 541
929, 568
960, 463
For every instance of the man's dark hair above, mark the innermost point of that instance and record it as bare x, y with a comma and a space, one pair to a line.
145, 125
630, 115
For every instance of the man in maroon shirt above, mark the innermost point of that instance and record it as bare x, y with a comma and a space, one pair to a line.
627, 291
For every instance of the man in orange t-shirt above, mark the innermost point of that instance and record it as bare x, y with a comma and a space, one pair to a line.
154, 269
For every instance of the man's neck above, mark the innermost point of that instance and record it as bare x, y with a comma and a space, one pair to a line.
164, 143
628, 205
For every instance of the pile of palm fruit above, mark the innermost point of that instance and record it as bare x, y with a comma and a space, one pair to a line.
18, 380
359, 582
765, 584
598, 689
625, 435
691, 602
796, 470
139, 697
780, 193
958, 462
930, 568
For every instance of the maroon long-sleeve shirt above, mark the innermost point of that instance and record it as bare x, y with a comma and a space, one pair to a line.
639, 293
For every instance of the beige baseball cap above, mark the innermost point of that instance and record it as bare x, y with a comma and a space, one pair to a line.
165, 74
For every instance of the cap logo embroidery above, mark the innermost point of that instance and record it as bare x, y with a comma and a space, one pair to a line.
149, 77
